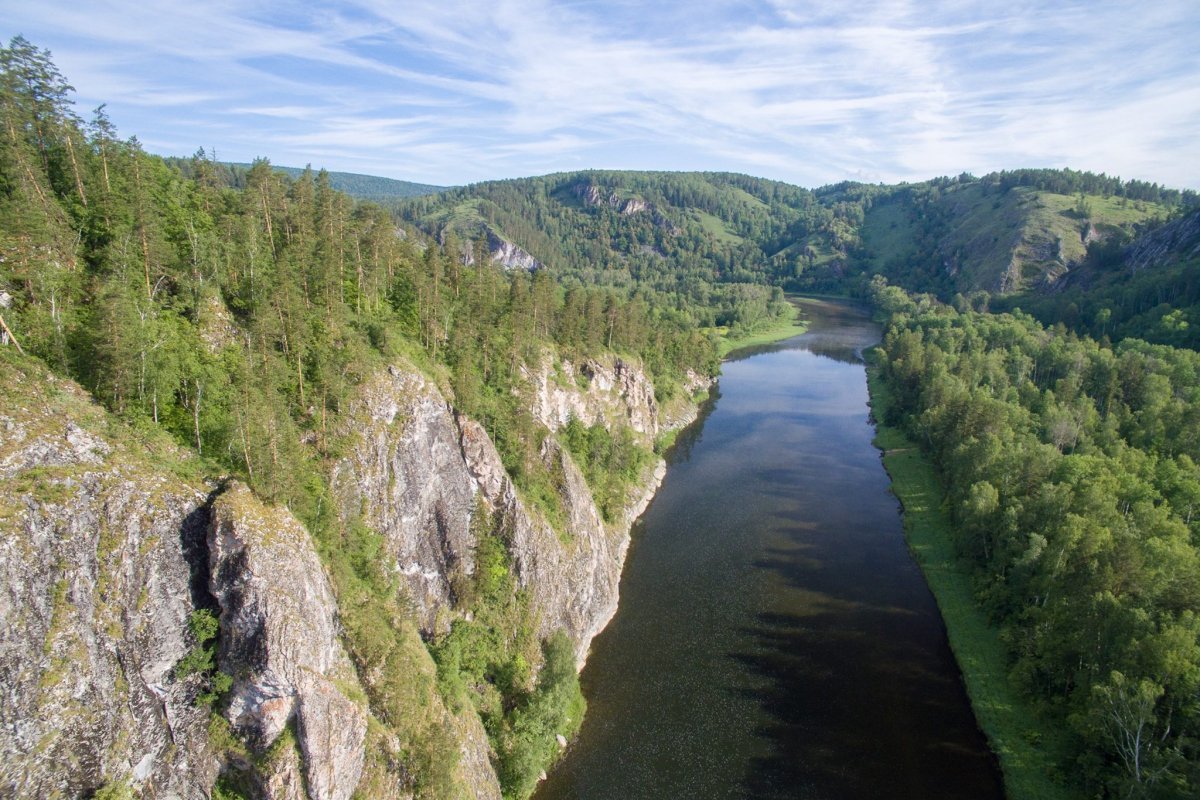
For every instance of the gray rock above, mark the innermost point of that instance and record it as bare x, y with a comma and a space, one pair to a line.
405, 478
279, 634
285, 778
1175, 241
617, 393
95, 592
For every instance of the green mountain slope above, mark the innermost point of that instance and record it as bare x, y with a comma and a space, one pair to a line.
713, 241
1148, 288
973, 235
233, 174
1004, 233
618, 227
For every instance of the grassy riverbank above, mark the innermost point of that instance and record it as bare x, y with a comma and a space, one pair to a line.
1027, 747
785, 329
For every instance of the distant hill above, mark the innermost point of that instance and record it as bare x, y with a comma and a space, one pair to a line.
1005, 233
1147, 287
987, 234
676, 231
364, 187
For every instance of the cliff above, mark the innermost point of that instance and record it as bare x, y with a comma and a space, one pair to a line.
98, 574
280, 637
610, 391
416, 470
112, 542
1178, 240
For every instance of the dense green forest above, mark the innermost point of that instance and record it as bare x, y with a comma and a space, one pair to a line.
710, 240
1070, 471
361, 187
238, 316
708, 243
237, 308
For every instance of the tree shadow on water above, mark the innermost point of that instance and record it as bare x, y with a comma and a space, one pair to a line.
860, 697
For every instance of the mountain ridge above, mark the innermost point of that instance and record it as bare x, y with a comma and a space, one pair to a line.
1004, 233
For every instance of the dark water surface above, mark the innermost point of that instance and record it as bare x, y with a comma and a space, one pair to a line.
775, 638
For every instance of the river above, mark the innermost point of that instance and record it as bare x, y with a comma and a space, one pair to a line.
775, 638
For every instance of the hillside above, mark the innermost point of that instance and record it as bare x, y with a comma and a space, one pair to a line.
234, 175
1147, 287
362, 187
973, 235
686, 233
706, 239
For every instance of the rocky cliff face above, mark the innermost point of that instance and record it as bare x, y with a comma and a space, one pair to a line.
406, 478
509, 255
572, 583
279, 635
106, 553
95, 591
612, 391
593, 195
1177, 240
418, 471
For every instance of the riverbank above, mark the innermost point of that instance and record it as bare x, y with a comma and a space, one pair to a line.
773, 626
773, 333
1027, 747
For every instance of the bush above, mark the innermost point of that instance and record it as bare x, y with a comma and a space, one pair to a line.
609, 461
556, 707
201, 659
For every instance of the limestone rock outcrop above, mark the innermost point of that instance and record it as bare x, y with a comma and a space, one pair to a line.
106, 552
95, 592
279, 635
612, 391
418, 474
1179, 239
405, 477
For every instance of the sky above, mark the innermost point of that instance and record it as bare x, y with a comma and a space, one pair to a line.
449, 92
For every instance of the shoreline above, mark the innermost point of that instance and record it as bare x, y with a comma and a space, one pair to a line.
775, 332
1026, 747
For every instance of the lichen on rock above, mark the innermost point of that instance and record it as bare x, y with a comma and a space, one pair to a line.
279, 636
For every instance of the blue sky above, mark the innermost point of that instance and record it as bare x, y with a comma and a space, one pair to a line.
808, 92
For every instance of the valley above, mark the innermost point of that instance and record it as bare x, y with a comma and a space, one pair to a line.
332, 494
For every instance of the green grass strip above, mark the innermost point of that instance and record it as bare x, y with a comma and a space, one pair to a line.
776, 332
1029, 749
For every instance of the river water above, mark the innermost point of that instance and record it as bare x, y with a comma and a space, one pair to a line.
775, 638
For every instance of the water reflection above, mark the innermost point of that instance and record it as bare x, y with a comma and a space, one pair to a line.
774, 637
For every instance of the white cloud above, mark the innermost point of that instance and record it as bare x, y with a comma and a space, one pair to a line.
803, 91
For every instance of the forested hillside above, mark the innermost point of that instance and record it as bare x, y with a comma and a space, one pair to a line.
247, 323
202, 308
361, 187
708, 238
714, 244
1007, 232
1070, 473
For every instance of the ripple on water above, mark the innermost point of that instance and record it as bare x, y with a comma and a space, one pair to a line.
774, 638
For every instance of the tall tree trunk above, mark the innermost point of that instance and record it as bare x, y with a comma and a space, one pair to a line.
196, 416
9, 335
75, 169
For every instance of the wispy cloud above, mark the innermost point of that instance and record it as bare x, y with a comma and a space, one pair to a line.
810, 92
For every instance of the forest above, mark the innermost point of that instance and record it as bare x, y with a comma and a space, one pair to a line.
237, 312
1070, 472
236, 309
